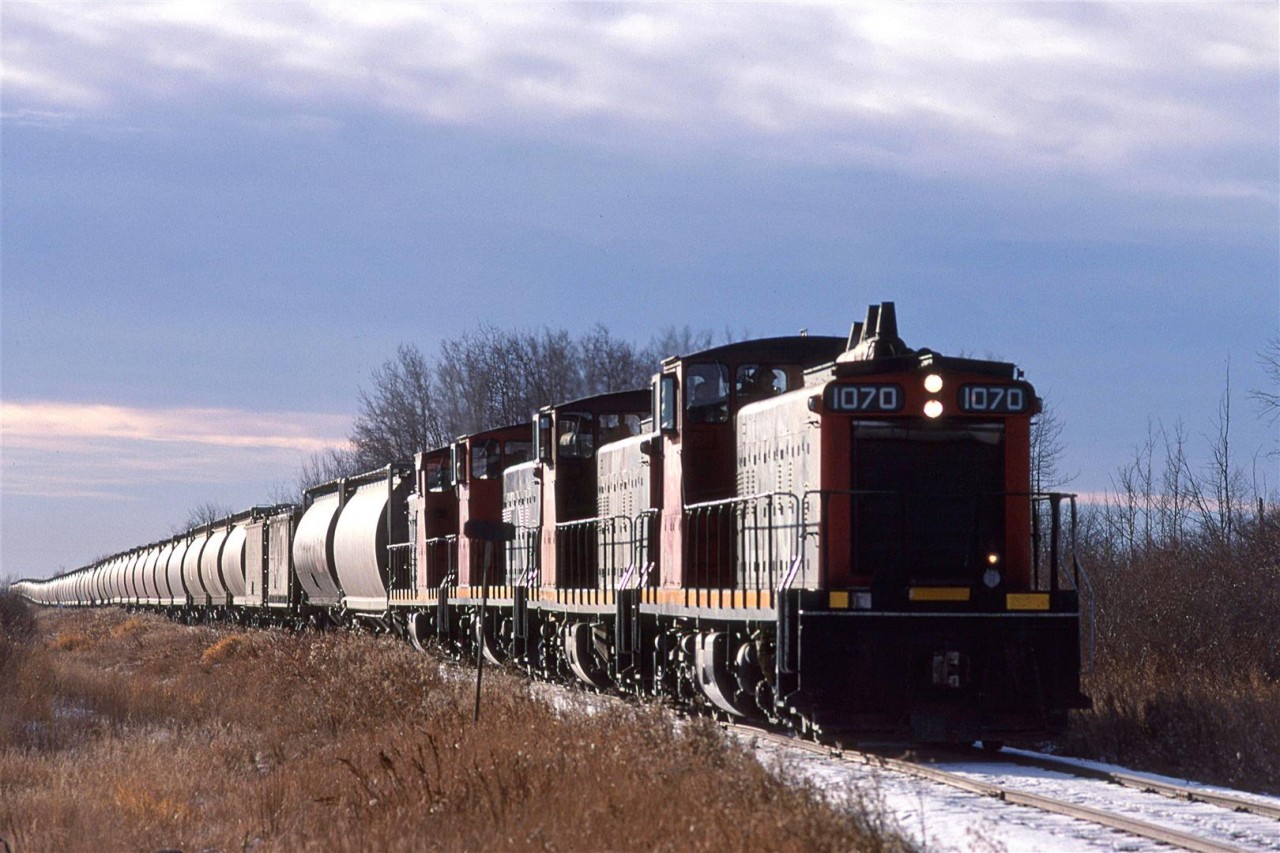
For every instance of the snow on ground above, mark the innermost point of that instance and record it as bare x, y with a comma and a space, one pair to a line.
942, 818
1261, 799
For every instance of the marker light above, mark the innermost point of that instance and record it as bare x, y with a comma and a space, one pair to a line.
993, 559
933, 383
932, 409
991, 578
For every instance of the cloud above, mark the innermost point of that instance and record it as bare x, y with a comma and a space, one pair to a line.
1171, 97
55, 449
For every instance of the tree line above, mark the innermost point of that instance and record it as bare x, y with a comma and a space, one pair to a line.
484, 378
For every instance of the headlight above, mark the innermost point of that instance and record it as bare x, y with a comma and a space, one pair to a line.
933, 409
991, 578
933, 383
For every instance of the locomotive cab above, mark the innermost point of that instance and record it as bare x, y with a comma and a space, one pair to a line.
699, 397
570, 438
479, 461
435, 512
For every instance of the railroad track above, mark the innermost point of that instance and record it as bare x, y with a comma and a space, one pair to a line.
1133, 826
1143, 783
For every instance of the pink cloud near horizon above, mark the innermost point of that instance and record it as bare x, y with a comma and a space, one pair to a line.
61, 449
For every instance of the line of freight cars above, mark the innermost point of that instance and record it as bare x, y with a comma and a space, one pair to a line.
838, 535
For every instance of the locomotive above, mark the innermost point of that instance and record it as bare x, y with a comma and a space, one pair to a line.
837, 535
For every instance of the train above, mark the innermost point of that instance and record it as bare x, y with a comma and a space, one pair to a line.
834, 535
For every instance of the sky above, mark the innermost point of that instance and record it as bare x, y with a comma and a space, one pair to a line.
217, 219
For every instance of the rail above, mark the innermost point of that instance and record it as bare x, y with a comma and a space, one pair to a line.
1014, 796
1171, 790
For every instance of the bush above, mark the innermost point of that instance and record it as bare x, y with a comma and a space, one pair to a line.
1188, 635
17, 627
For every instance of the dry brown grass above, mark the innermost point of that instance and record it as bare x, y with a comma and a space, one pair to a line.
1188, 674
71, 641
228, 648
1213, 728
128, 627
169, 736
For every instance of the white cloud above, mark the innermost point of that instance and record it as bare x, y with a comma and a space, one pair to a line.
1135, 93
54, 449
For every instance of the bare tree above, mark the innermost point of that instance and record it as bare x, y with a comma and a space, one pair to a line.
1047, 451
1129, 518
477, 374
547, 370
202, 514
1219, 492
1269, 398
328, 465
611, 364
682, 340
398, 415
282, 492
488, 377
1178, 487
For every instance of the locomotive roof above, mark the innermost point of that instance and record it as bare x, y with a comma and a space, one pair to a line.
608, 398
923, 359
874, 347
807, 349
385, 472
480, 433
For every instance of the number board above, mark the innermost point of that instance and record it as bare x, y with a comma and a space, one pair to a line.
874, 399
994, 399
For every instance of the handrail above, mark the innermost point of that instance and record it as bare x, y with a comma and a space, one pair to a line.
1080, 574
593, 544
815, 516
748, 537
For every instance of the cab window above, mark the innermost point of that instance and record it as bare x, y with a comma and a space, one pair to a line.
436, 473
759, 382
544, 436
615, 427
707, 393
667, 403
517, 452
575, 435
486, 459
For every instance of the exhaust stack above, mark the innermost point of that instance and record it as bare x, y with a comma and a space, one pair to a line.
876, 337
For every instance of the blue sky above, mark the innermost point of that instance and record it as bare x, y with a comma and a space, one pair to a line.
218, 219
